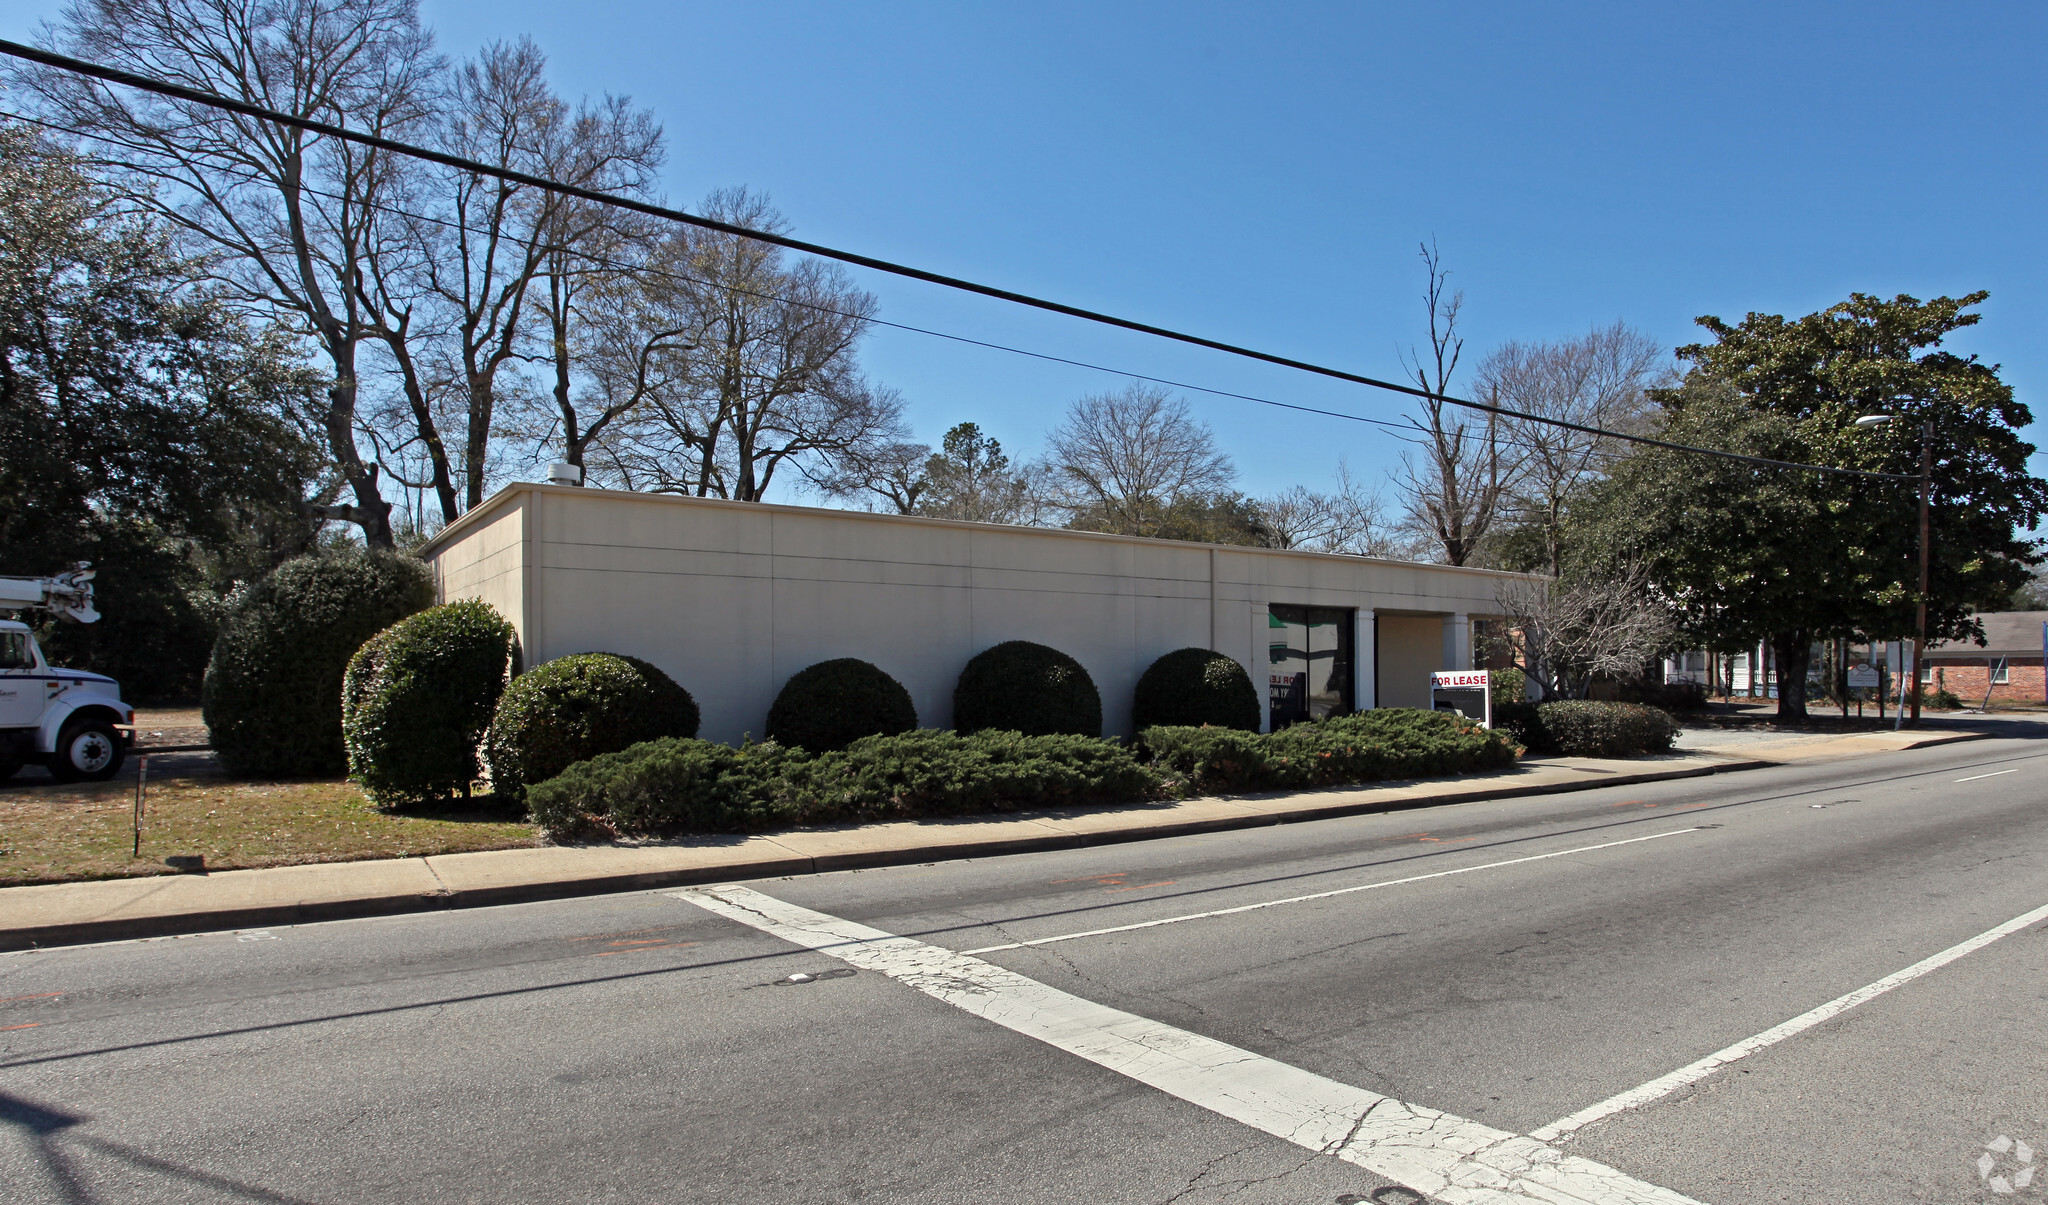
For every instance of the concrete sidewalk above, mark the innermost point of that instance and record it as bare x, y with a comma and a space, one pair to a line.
114, 909
1779, 748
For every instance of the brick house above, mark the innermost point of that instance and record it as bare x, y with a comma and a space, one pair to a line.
2009, 663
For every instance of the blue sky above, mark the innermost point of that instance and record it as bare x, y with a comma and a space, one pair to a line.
1263, 174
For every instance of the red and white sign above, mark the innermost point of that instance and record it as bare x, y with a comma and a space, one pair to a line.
1458, 679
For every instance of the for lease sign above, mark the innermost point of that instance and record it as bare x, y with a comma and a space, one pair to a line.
1455, 679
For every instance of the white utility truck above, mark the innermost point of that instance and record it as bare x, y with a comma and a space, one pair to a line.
72, 721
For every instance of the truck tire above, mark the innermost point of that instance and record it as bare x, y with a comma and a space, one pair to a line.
87, 751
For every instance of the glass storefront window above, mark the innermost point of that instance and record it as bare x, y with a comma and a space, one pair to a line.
1309, 663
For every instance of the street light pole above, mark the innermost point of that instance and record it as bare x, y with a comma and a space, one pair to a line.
1926, 503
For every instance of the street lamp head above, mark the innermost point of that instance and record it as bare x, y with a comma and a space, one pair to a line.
1873, 420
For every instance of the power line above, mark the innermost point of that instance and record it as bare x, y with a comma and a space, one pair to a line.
1401, 429
212, 100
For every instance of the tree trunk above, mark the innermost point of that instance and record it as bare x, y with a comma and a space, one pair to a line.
370, 512
1791, 651
475, 450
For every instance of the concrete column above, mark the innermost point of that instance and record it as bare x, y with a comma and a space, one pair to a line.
1365, 672
1262, 665
1457, 641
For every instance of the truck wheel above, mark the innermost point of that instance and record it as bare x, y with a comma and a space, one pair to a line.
87, 750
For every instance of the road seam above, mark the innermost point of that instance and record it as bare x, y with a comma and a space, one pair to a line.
1450, 1158
1665, 1085
1320, 895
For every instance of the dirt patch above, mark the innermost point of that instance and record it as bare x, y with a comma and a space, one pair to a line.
197, 819
182, 726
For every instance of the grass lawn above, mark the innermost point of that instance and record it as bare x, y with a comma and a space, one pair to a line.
50, 833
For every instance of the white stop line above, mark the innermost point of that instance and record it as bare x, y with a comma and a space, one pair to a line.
1450, 1158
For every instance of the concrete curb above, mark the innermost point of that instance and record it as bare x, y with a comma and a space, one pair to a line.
952, 851
277, 896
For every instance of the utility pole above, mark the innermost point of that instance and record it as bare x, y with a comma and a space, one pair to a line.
1926, 503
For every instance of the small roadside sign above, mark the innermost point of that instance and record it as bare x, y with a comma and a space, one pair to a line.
1862, 677
1469, 692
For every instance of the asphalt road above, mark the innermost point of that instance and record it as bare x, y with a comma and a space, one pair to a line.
645, 1047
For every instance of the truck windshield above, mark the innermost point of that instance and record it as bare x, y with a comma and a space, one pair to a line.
14, 652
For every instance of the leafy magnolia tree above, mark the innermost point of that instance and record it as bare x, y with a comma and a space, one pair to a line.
1743, 552
144, 426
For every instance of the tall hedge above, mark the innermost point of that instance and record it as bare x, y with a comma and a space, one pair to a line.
1192, 687
1023, 687
418, 696
1589, 728
573, 708
834, 703
272, 695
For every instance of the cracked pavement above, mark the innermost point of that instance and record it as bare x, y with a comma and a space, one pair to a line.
534, 1052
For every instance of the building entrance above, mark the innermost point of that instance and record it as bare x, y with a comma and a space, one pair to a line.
1310, 658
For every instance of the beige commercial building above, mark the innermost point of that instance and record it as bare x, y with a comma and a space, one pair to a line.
731, 598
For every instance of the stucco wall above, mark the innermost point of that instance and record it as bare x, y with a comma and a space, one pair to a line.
1410, 647
489, 563
733, 598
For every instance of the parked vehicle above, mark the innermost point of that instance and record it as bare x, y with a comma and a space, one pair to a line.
70, 720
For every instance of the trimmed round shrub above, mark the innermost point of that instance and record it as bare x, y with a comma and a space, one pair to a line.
572, 709
1586, 728
1192, 687
1019, 686
832, 704
418, 696
272, 695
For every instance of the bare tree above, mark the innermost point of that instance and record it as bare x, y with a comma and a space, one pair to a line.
1569, 630
600, 343
620, 337
1349, 520
1125, 461
893, 474
499, 237
1596, 380
289, 219
1453, 486
773, 379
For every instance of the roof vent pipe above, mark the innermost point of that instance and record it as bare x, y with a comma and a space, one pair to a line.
563, 473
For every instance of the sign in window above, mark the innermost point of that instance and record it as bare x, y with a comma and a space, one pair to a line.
1309, 655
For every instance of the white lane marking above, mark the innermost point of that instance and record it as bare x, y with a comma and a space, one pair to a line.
1320, 895
1993, 774
1449, 1158
1666, 1084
